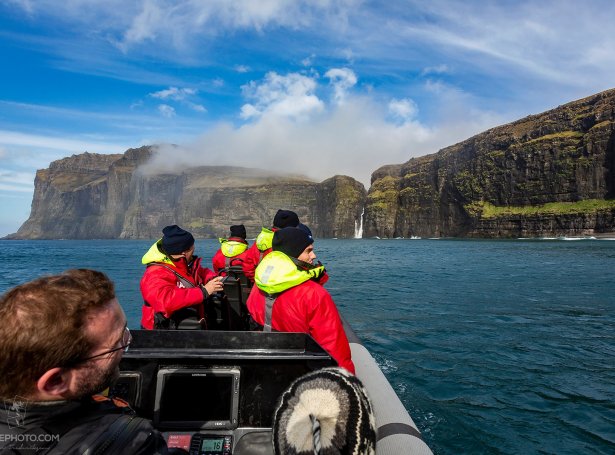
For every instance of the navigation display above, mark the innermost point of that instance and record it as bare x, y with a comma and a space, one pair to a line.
197, 398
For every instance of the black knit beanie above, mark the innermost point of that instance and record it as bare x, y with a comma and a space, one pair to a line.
238, 230
325, 412
291, 241
285, 218
304, 228
175, 240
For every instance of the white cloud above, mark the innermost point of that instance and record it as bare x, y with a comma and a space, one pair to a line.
341, 79
158, 19
63, 145
145, 26
349, 55
403, 110
352, 138
557, 42
174, 93
437, 69
286, 96
308, 61
179, 95
550, 40
197, 107
166, 110
248, 111
556, 46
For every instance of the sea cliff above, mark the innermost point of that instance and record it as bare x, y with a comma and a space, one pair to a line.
92, 196
551, 174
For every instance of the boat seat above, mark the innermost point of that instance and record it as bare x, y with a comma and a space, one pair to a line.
227, 310
238, 315
236, 271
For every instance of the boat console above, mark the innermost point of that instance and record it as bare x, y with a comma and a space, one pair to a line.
214, 392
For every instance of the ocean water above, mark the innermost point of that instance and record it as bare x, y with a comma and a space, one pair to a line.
493, 346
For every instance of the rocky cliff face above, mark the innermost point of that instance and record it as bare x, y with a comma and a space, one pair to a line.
547, 174
108, 196
550, 174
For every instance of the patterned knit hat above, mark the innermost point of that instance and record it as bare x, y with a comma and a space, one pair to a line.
325, 412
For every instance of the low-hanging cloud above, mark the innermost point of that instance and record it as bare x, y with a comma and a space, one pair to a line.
342, 79
291, 96
403, 110
292, 130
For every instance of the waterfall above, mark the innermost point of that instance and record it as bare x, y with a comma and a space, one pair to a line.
358, 227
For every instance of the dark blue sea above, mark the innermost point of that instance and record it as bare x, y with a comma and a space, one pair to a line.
493, 346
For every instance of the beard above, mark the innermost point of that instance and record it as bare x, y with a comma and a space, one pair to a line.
95, 379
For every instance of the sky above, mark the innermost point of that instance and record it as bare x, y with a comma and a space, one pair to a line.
318, 87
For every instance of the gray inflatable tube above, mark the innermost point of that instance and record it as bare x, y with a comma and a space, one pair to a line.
396, 432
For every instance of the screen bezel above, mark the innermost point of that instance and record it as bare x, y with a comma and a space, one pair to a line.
231, 424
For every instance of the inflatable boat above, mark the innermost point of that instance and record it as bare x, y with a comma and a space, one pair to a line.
213, 392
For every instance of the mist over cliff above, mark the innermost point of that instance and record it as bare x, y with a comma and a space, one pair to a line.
93, 196
551, 174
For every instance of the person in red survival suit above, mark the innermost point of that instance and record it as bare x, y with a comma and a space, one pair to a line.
262, 245
232, 251
175, 281
287, 279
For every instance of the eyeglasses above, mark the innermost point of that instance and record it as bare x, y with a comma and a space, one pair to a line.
126, 340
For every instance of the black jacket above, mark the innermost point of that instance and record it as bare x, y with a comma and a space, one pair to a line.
92, 426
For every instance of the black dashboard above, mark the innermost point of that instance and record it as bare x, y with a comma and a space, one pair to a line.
214, 392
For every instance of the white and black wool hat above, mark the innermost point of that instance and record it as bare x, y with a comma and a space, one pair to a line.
325, 412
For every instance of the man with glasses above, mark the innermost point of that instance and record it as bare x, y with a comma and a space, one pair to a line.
61, 344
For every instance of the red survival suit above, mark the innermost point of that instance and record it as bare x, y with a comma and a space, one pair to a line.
163, 291
232, 251
259, 249
301, 305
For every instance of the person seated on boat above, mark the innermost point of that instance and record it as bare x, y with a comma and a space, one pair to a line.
61, 344
262, 244
232, 250
288, 291
324, 411
175, 286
